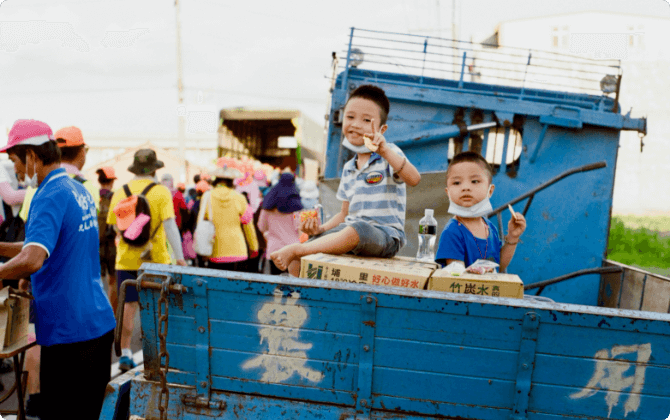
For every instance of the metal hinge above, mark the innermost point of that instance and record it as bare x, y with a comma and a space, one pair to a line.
203, 406
525, 366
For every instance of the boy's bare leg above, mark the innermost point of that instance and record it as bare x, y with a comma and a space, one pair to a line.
335, 243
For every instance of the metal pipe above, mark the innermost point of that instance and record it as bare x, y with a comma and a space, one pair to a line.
585, 168
596, 270
440, 134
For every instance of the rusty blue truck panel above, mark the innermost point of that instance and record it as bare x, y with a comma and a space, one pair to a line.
261, 347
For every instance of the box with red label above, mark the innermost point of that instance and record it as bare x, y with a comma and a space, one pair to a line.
394, 272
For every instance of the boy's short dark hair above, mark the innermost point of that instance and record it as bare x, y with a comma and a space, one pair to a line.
471, 157
70, 153
376, 95
48, 152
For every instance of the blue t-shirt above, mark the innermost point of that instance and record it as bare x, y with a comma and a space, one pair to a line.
458, 243
70, 302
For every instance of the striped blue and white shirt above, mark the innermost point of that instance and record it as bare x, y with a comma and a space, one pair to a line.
374, 196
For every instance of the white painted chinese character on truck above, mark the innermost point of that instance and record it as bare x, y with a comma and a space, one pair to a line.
609, 376
285, 355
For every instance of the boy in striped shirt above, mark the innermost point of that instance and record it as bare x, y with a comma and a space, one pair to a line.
372, 190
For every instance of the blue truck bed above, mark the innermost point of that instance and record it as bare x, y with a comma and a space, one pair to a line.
265, 347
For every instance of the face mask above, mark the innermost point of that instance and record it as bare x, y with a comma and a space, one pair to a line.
477, 210
32, 181
356, 149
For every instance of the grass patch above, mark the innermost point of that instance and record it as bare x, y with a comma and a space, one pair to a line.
635, 240
654, 223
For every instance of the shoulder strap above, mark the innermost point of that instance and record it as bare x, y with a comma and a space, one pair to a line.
148, 188
127, 190
79, 178
9, 214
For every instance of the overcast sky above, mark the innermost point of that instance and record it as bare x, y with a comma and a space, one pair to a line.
110, 66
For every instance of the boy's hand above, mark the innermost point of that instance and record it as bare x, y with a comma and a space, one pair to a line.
375, 139
516, 226
311, 226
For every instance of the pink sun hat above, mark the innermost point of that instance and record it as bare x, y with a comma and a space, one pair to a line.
28, 133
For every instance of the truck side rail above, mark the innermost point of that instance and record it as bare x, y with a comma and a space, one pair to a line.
338, 350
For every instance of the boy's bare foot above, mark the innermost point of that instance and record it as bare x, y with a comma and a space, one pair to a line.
284, 256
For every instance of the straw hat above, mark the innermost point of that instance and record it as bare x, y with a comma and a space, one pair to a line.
226, 173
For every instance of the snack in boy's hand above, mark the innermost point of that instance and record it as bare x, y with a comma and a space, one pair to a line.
308, 214
368, 143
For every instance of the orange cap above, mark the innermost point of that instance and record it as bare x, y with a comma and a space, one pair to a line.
181, 186
202, 186
125, 212
108, 171
69, 137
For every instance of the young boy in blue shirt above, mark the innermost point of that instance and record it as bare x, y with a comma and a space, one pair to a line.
470, 236
372, 190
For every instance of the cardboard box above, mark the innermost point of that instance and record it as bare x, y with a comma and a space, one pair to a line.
499, 284
395, 272
14, 311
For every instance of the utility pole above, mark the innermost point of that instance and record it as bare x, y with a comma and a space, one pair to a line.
454, 37
180, 93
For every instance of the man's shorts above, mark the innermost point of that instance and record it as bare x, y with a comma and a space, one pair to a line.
372, 241
131, 291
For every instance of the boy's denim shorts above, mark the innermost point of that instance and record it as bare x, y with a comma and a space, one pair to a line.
372, 241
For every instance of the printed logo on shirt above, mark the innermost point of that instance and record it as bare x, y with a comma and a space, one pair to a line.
374, 178
90, 217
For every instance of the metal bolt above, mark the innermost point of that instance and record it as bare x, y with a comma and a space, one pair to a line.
201, 330
203, 384
533, 317
368, 300
199, 282
366, 348
364, 403
525, 366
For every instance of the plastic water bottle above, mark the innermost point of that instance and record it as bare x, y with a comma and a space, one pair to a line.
427, 234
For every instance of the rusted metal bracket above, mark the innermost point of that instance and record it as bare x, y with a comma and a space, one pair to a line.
203, 406
203, 380
526, 365
366, 356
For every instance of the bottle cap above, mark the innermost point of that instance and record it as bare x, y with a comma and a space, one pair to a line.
428, 213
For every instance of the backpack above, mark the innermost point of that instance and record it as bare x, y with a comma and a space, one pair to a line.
106, 231
12, 228
135, 214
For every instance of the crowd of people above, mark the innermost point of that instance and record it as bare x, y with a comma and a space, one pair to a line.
56, 224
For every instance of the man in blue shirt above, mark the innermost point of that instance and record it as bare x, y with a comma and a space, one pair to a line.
74, 320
